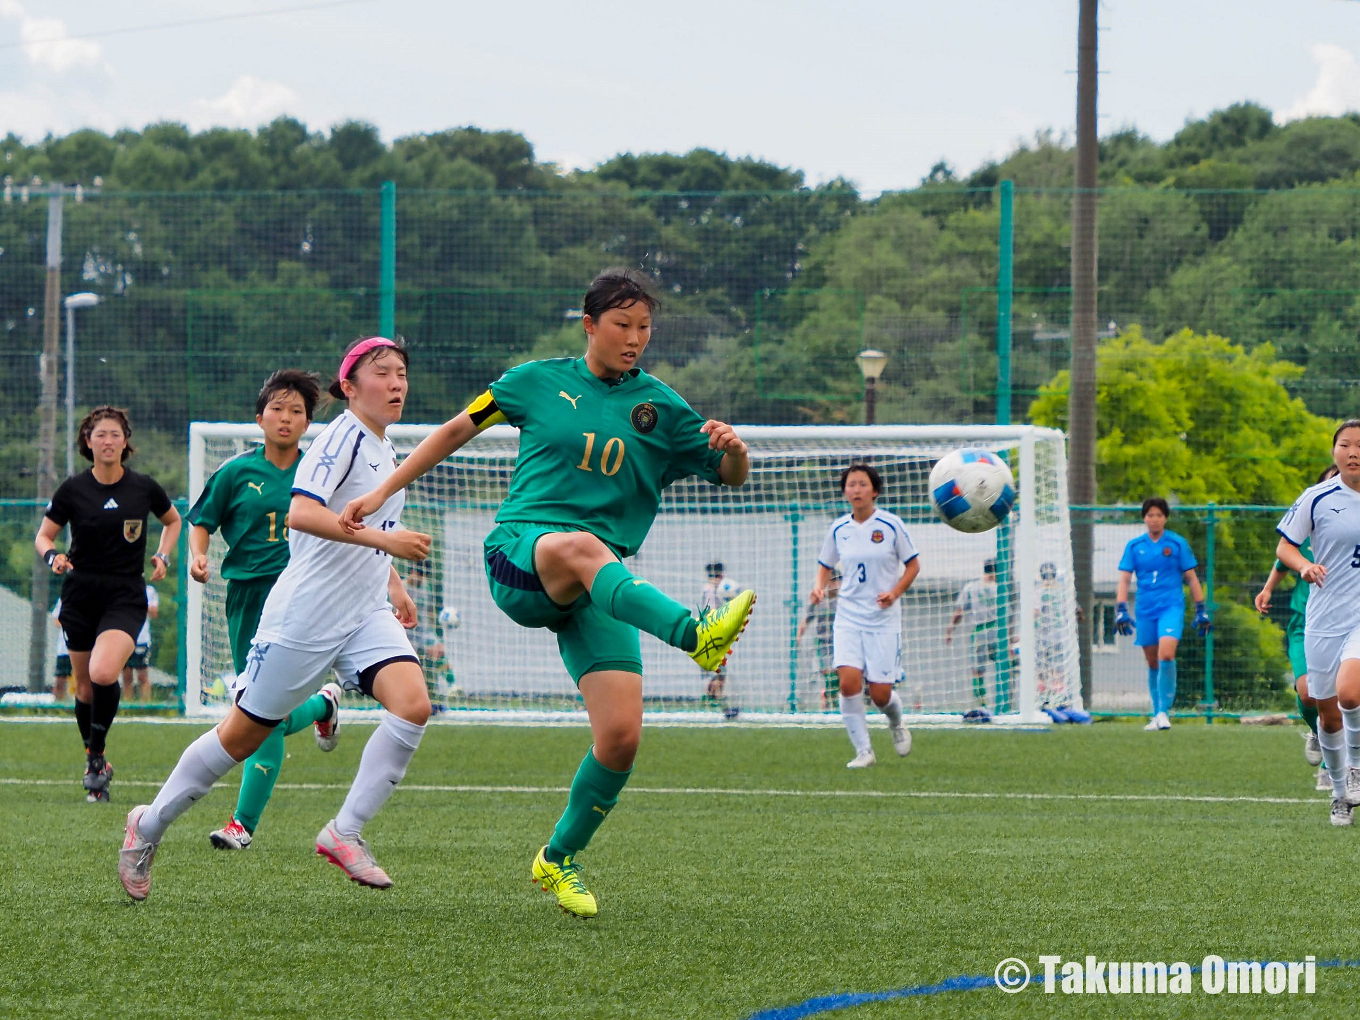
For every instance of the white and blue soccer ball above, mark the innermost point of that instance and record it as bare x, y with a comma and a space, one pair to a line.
728, 589
972, 489
449, 618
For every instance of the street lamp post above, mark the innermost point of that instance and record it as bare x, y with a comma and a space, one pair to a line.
73, 301
871, 365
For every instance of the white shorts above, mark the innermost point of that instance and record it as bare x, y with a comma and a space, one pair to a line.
1324, 656
875, 653
277, 678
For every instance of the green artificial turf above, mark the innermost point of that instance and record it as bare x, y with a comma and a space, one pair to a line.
750, 884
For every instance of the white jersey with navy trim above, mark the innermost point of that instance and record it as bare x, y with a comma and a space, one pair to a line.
1329, 514
153, 601
871, 557
329, 588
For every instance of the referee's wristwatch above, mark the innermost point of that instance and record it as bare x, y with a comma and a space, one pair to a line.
163, 558
51, 556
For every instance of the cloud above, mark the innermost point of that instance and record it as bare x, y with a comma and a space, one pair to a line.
249, 103
1337, 89
45, 42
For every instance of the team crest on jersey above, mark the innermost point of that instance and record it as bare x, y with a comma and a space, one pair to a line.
1166, 551
644, 417
132, 530
876, 537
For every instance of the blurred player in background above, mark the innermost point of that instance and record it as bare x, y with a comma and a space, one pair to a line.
717, 591
428, 638
138, 665
1294, 645
1162, 562
599, 441
61, 671
878, 563
822, 617
247, 499
103, 596
977, 602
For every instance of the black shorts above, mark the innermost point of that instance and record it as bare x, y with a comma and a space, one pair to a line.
94, 603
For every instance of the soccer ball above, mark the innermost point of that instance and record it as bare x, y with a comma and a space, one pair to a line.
728, 589
449, 618
972, 490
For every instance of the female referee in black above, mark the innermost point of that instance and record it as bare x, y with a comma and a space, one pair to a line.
103, 599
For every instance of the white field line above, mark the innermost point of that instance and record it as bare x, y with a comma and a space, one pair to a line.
714, 791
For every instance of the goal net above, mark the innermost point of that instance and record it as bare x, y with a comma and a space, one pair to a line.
766, 535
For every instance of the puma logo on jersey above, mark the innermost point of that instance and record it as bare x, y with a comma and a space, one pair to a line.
601, 810
563, 395
112, 504
264, 768
257, 486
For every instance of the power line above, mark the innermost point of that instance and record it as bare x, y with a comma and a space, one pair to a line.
183, 24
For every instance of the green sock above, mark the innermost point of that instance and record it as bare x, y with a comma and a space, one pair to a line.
314, 709
258, 775
594, 792
1309, 714
640, 604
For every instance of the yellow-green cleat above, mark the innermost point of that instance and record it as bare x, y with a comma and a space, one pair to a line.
719, 630
565, 880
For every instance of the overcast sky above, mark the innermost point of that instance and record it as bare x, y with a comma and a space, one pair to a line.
871, 90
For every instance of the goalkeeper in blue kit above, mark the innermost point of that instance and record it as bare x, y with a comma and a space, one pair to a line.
599, 441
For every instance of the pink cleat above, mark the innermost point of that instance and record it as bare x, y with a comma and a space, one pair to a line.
351, 855
134, 860
328, 732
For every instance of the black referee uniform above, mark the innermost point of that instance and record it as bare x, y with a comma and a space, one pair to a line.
104, 589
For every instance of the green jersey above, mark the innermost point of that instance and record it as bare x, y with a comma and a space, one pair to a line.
595, 455
248, 498
1298, 599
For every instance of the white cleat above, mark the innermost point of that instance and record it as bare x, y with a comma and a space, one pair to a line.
862, 760
901, 738
1312, 750
351, 855
1163, 721
232, 836
134, 860
1342, 812
1324, 780
328, 732
1353, 786
1153, 725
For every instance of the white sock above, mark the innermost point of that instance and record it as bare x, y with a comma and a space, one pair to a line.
1334, 754
203, 763
893, 710
1350, 723
852, 714
381, 768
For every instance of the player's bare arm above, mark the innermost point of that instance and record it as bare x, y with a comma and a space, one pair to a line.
435, 447
736, 462
312, 518
1288, 554
198, 553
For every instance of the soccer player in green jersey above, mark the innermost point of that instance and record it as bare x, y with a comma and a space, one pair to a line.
599, 441
247, 500
1298, 662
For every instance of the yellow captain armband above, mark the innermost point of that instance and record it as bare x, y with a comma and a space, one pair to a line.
484, 412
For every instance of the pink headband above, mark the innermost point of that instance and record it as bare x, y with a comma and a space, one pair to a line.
360, 349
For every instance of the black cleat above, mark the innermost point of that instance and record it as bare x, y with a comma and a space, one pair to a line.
98, 776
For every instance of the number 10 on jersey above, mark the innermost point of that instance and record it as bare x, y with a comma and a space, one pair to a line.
611, 457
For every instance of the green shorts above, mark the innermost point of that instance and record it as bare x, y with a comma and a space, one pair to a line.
245, 603
588, 640
1293, 636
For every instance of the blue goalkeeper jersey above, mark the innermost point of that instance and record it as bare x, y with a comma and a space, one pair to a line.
1158, 567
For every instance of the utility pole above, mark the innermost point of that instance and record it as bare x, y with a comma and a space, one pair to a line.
47, 404
1081, 401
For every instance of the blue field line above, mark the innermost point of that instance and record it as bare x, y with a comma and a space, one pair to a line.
964, 983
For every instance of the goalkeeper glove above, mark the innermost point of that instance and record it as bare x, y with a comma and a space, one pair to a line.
1202, 623
1123, 622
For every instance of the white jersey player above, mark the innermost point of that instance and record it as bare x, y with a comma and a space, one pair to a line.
1329, 514
878, 563
716, 593
329, 608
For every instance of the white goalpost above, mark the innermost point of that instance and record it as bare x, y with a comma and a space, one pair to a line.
767, 534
